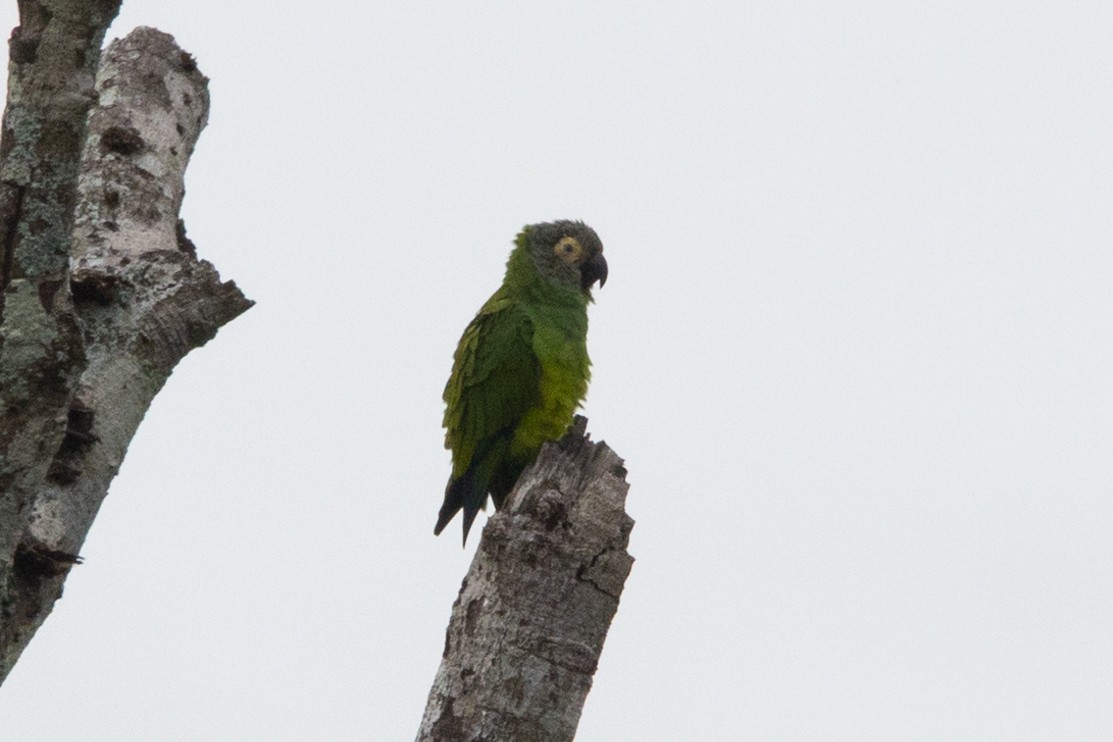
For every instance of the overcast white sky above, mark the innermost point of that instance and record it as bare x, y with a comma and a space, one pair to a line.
856, 348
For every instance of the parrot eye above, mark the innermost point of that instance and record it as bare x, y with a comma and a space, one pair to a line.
568, 249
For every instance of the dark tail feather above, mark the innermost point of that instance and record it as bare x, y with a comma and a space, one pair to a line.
460, 494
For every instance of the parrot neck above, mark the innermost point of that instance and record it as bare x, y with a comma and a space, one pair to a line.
523, 279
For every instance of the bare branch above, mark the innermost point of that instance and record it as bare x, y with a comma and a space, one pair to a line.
528, 626
54, 54
141, 297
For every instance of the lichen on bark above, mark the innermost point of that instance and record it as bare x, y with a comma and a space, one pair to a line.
102, 294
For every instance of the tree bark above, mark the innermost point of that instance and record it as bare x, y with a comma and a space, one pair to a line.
529, 623
97, 316
53, 57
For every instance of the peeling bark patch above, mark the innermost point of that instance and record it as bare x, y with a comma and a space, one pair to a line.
47, 291
78, 438
448, 726
122, 140
80, 425
475, 607
35, 562
94, 288
187, 62
586, 574
551, 510
185, 244
10, 211
38, 227
23, 50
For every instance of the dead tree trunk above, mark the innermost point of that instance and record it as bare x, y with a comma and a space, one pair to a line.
528, 625
101, 292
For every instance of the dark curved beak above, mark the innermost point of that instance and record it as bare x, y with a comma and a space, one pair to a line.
595, 269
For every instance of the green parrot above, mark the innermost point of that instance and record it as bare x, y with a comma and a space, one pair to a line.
521, 368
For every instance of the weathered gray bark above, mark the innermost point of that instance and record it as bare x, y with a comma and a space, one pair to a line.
125, 299
528, 625
53, 57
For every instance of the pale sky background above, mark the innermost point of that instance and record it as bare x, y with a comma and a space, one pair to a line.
856, 348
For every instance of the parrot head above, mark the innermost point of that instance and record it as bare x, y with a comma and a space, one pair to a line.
567, 253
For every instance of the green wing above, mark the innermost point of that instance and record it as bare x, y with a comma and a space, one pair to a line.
495, 381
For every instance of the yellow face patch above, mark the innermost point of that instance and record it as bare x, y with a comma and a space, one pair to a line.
569, 250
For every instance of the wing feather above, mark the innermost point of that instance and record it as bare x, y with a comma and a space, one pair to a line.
495, 380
